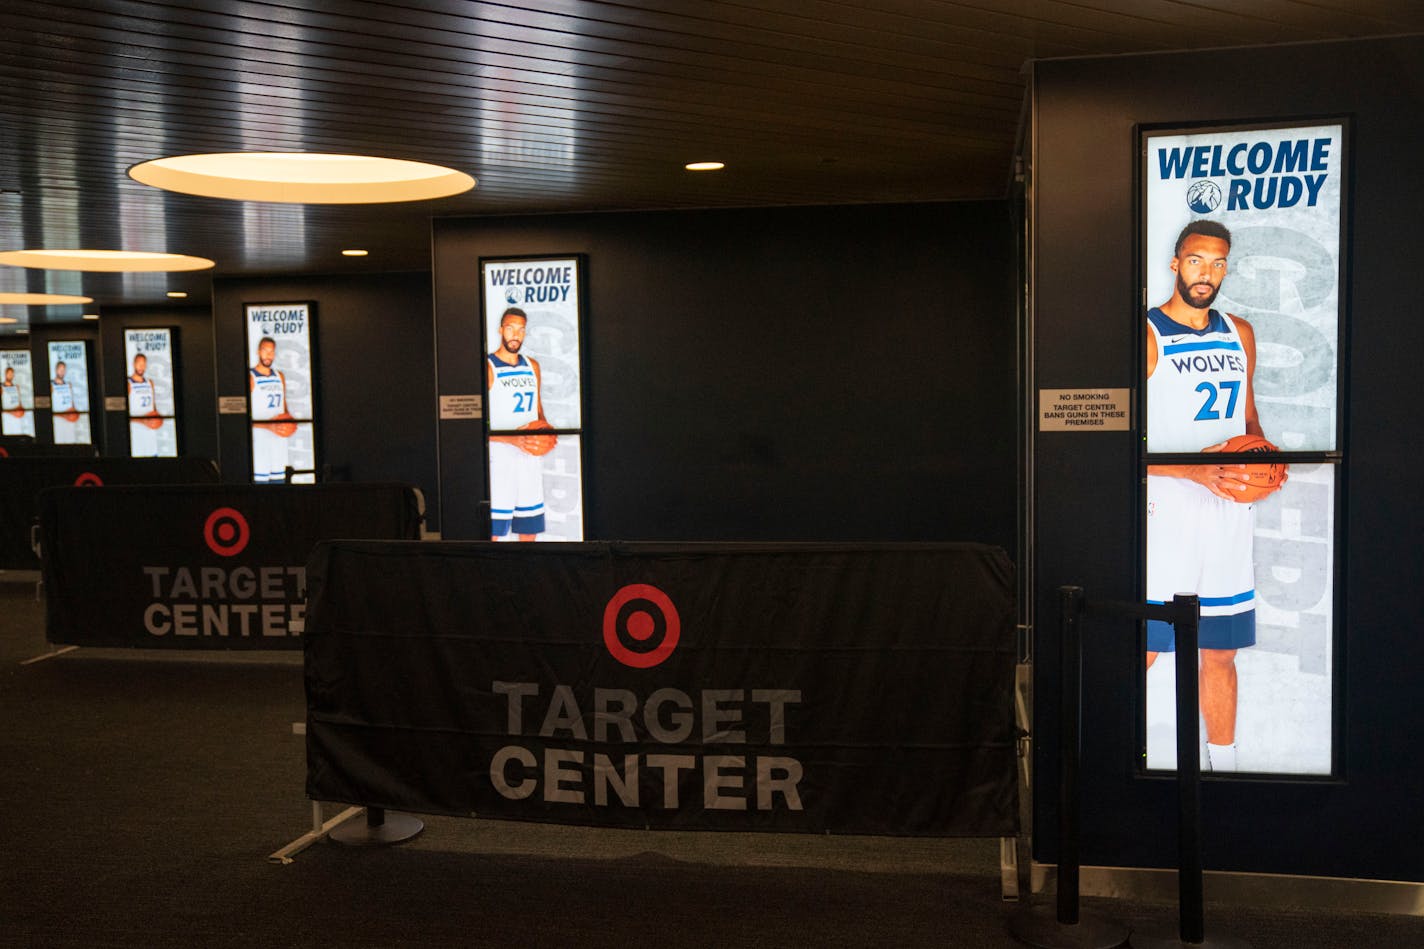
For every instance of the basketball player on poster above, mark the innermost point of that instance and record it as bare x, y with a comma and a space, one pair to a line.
516, 475
11, 405
1201, 517
61, 404
272, 424
144, 421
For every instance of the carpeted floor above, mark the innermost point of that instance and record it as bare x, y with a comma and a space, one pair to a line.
140, 795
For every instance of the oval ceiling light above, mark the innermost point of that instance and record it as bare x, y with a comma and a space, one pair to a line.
90, 316
705, 165
302, 177
177, 295
354, 252
104, 261
42, 299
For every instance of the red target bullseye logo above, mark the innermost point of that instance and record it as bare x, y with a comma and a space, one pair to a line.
226, 532
641, 615
89, 480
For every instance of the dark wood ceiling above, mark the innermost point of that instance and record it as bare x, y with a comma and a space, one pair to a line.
554, 105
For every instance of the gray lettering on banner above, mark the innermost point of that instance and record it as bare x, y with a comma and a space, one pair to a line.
563, 714
516, 691
613, 707
624, 783
556, 774
671, 766
669, 716
499, 777
680, 726
715, 781
714, 716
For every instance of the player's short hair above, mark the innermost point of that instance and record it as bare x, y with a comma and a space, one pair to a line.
58, 364
266, 339
1206, 229
513, 311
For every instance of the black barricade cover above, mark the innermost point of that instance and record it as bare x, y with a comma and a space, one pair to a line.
22, 446
22, 479
197, 566
804, 688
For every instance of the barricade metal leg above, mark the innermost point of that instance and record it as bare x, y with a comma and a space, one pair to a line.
1008, 868
48, 655
1068, 928
319, 830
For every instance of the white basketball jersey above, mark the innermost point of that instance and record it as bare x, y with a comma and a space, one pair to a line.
9, 397
1196, 396
140, 397
514, 395
269, 398
61, 397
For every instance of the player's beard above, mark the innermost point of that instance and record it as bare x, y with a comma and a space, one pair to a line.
1185, 292
513, 345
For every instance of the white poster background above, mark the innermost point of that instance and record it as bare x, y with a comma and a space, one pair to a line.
74, 355
289, 327
1279, 192
156, 346
23, 393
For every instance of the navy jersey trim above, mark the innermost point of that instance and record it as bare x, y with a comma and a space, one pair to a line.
1166, 326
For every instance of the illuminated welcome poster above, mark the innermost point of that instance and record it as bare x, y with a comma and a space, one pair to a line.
280, 400
17, 393
533, 397
69, 392
1242, 263
151, 387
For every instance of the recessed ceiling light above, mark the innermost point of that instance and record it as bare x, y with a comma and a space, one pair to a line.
302, 177
354, 252
91, 316
104, 261
42, 299
705, 166
177, 294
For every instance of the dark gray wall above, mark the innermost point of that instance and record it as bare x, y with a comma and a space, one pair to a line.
375, 385
1088, 319
789, 374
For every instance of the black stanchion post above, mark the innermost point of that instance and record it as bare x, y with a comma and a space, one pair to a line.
1191, 926
1068, 929
1070, 747
1189, 829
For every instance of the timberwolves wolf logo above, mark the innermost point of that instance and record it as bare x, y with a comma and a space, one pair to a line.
511, 295
1203, 197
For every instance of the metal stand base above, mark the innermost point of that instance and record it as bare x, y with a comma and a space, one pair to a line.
380, 829
1158, 941
1040, 927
